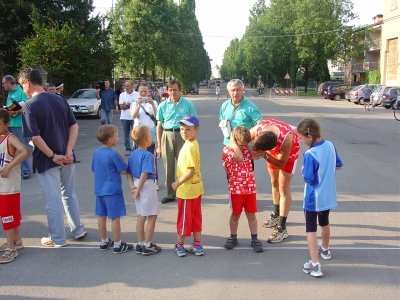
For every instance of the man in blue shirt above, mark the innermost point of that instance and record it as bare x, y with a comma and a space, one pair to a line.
109, 100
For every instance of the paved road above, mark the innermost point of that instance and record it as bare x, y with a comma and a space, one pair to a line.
365, 227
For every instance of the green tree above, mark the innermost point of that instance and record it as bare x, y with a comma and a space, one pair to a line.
68, 55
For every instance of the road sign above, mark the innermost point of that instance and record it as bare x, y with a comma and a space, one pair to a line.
287, 76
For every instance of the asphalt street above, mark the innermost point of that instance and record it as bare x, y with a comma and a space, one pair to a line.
365, 239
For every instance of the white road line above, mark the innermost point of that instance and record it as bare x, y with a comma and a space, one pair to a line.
236, 248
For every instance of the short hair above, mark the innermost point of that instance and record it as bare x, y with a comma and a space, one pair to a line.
4, 115
32, 75
105, 132
241, 134
266, 140
138, 133
10, 79
106, 80
130, 81
234, 82
50, 85
172, 82
309, 127
143, 83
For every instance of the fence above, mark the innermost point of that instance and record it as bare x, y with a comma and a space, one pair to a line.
292, 94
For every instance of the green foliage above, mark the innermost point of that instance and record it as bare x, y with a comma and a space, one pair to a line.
292, 36
373, 76
67, 55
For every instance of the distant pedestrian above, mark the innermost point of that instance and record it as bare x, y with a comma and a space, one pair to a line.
189, 189
217, 91
242, 186
367, 96
126, 100
141, 177
320, 163
109, 101
12, 153
107, 166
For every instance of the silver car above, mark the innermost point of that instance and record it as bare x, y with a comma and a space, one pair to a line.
83, 102
376, 96
356, 95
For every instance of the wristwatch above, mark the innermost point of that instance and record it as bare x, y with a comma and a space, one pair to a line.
52, 156
266, 156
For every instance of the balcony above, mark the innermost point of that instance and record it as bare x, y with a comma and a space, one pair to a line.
375, 45
364, 67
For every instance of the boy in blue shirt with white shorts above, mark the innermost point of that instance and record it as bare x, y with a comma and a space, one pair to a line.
141, 177
108, 165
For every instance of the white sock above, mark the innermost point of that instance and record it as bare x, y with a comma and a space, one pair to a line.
316, 264
147, 244
141, 243
117, 244
324, 248
104, 241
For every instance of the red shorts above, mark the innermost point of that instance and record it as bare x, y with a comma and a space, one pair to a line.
10, 211
189, 216
246, 201
289, 167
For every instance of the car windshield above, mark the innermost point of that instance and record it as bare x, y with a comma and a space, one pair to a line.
378, 89
86, 94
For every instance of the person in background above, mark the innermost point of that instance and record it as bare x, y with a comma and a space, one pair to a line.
367, 96
16, 94
126, 100
109, 100
51, 88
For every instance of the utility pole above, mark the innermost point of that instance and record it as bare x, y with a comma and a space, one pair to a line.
112, 42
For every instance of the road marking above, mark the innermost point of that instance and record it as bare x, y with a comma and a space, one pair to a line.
236, 248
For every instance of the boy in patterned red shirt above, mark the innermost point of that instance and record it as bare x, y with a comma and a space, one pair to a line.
242, 186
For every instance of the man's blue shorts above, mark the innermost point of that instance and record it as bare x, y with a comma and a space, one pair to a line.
112, 206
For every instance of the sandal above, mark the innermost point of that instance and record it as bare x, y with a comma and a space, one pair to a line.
8, 256
17, 245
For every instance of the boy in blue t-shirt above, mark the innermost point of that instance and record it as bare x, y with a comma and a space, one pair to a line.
108, 165
141, 177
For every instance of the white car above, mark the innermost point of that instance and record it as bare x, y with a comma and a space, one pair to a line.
376, 96
83, 102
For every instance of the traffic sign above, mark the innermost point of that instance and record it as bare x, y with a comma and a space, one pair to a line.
287, 76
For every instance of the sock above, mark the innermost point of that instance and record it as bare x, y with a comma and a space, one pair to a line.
141, 243
254, 237
196, 243
324, 248
104, 241
117, 244
234, 236
316, 264
179, 245
282, 222
276, 209
147, 244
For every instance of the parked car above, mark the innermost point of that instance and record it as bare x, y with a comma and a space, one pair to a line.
323, 86
83, 102
337, 92
357, 94
390, 96
376, 97
193, 89
212, 82
203, 83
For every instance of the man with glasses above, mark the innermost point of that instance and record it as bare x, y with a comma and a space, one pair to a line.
126, 99
15, 93
109, 100
50, 123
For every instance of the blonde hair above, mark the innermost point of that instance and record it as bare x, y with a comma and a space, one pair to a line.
241, 134
105, 132
139, 133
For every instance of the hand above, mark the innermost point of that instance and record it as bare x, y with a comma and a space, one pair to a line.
61, 160
134, 194
158, 152
70, 155
175, 185
4, 172
256, 154
116, 109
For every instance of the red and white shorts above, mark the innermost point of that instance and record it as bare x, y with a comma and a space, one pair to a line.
10, 211
289, 167
189, 216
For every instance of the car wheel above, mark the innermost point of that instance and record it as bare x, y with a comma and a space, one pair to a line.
394, 105
337, 97
98, 115
361, 101
388, 107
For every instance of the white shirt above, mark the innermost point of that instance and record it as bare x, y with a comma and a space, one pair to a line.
145, 119
128, 98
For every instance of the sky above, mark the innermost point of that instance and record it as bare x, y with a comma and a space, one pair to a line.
220, 21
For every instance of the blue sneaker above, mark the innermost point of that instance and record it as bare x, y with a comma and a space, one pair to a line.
180, 251
138, 249
124, 247
197, 251
152, 249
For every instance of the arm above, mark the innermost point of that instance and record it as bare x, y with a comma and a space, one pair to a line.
15, 143
122, 104
237, 155
185, 177
59, 159
159, 135
142, 180
132, 186
72, 137
116, 103
98, 94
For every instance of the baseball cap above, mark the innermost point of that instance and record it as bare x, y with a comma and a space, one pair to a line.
190, 120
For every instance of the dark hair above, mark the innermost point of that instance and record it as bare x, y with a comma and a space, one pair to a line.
266, 140
144, 83
4, 115
105, 132
309, 127
32, 75
172, 82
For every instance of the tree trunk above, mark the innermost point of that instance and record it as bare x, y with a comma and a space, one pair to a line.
306, 79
